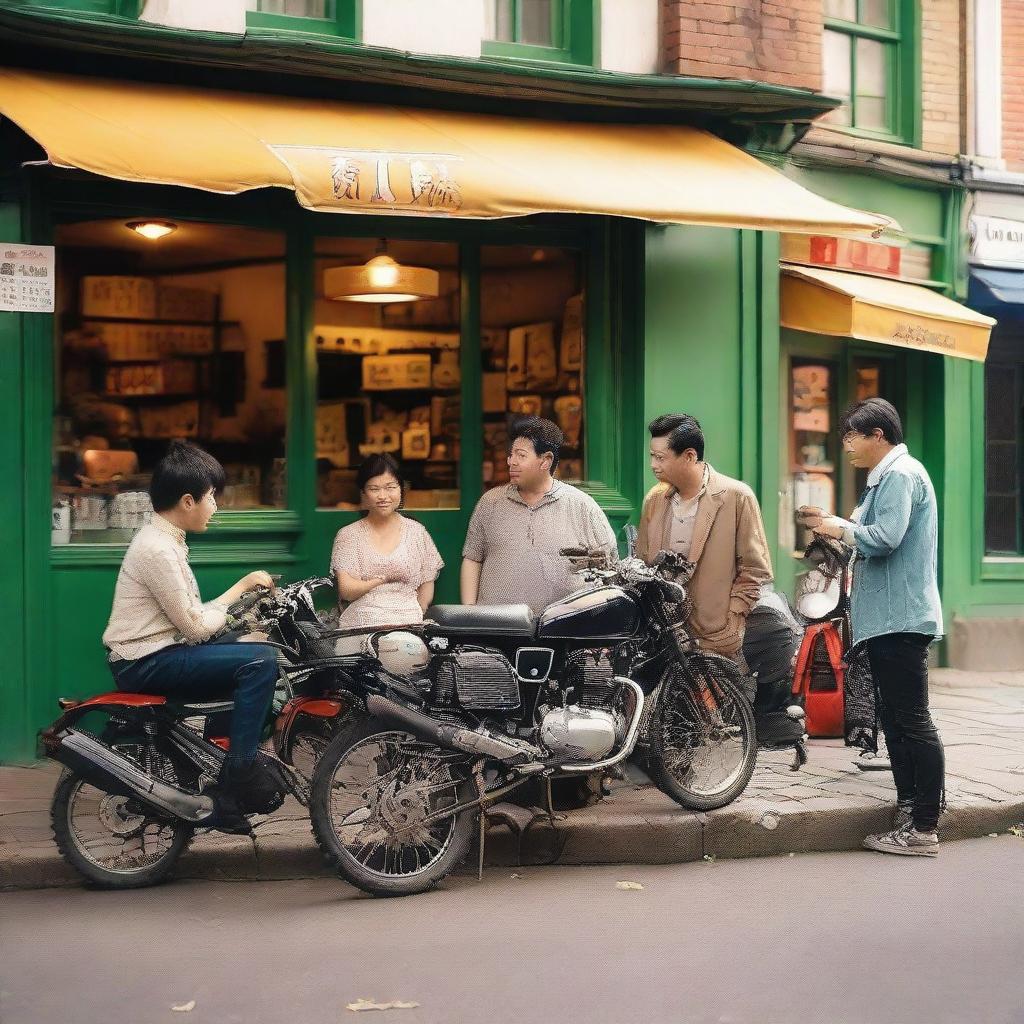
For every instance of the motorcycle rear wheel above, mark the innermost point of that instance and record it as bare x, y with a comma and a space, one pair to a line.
702, 740
371, 790
111, 841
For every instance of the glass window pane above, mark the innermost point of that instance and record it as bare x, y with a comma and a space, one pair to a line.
532, 335
293, 8
872, 84
836, 78
812, 445
1003, 421
845, 9
876, 13
535, 25
152, 345
499, 20
389, 378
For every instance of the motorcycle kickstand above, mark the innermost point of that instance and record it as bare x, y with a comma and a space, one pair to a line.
549, 800
799, 756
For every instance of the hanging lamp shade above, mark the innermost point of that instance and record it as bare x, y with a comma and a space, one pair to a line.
381, 279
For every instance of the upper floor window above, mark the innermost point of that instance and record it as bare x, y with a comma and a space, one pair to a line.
559, 30
869, 62
328, 17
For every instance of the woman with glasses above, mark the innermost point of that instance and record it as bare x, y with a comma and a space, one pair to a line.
385, 564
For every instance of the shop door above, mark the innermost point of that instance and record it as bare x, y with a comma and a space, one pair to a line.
822, 380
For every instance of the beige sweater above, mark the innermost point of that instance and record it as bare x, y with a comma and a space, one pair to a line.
156, 600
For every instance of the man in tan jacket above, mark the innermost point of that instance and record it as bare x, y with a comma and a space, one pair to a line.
711, 520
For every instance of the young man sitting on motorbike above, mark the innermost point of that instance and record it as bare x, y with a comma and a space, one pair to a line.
158, 628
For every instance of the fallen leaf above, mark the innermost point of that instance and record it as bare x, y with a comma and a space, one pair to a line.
515, 874
369, 1004
185, 1007
628, 885
709, 858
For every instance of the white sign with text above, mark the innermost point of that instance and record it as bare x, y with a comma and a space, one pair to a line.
997, 240
26, 278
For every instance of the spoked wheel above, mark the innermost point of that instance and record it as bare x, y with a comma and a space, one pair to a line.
703, 744
306, 746
115, 842
376, 798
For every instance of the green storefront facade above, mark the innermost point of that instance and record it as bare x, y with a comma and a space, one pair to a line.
677, 318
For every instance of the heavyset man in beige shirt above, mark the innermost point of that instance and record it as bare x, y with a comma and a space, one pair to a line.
712, 520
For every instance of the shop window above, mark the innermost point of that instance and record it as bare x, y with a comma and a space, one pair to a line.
532, 340
559, 30
389, 372
1004, 421
327, 17
869, 62
157, 338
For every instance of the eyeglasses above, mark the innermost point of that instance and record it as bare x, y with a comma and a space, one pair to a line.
376, 492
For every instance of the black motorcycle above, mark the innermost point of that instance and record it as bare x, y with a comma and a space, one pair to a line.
139, 766
476, 702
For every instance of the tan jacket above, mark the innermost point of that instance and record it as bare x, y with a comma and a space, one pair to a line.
731, 552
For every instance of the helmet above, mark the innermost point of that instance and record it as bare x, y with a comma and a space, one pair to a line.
400, 652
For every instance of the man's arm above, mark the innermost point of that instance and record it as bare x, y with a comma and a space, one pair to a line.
894, 501
469, 580
753, 563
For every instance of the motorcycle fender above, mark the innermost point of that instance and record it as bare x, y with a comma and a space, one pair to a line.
318, 707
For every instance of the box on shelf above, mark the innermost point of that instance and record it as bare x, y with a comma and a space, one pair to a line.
174, 302
89, 512
129, 297
384, 373
129, 510
134, 379
180, 376
541, 363
364, 341
571, 346
416, 441
447, 373
166, 421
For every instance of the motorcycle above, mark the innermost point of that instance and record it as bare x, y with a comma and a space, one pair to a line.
139, 766
456, 713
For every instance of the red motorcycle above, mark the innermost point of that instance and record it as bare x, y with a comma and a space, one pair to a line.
139, 766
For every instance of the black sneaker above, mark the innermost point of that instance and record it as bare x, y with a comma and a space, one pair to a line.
256, 789
227, 815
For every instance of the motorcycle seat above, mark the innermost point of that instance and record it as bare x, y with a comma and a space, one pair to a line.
473, 619
211, 707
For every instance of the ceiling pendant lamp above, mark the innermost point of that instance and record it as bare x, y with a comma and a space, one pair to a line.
381, 279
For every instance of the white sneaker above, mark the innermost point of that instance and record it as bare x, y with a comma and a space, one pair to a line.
906, 841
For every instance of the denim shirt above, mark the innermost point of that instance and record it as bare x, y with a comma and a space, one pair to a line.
895, 577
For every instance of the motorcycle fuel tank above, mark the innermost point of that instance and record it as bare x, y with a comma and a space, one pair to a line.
604, 613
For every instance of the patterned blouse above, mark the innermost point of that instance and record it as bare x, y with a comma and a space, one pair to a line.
414, 562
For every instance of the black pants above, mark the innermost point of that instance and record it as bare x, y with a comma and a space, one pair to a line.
899, 663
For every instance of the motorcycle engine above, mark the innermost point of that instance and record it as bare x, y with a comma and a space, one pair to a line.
481, 680
583, 734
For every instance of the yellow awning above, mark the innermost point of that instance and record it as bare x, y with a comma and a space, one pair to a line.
882, 310
360, 158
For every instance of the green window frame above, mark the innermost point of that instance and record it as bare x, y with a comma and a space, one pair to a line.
343, 20
575, 32
851, 21
119, 8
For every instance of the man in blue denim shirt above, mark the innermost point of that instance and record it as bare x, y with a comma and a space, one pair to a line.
896, 612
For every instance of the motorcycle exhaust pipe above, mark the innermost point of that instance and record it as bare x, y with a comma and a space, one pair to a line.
452, 737
101, 766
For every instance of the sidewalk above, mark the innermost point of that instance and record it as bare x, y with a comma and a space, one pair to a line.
829, 805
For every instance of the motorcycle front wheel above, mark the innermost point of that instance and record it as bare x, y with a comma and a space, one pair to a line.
374, 809
702, 739
114, 842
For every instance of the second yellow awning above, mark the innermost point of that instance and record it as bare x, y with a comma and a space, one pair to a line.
881, 310
343, 157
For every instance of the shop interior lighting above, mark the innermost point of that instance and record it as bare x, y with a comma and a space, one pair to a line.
381, 280
152, 229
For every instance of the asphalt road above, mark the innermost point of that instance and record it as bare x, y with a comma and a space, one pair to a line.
829, 938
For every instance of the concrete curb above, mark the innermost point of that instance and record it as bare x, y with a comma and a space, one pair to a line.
646, 828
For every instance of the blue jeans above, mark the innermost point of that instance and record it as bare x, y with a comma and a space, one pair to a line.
244, 673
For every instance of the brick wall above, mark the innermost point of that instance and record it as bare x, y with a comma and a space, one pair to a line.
941, 75
778, 43
1013, 83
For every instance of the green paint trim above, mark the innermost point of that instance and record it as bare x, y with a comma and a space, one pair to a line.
262, 57
575, 34
345, 23
750, 368
254, 552
471, 444
14, 610
769, 434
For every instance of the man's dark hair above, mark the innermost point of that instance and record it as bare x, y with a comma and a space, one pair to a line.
871, 414
544, 435
184, 469
682, 431
378, 465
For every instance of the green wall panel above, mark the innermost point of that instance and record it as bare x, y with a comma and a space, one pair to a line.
692, 340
